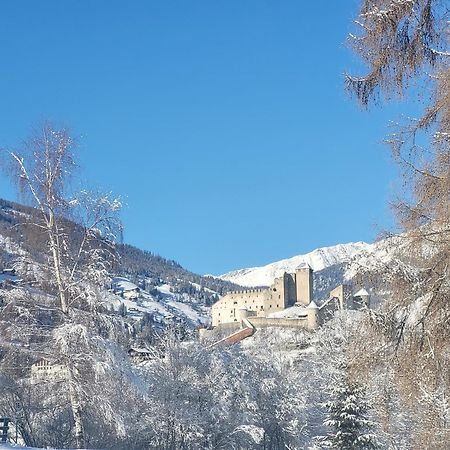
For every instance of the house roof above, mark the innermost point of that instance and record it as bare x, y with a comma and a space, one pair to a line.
361, 293
124, 285
139, 350
312, 305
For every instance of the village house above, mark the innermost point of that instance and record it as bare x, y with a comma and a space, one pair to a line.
139, 354
125, 288
48, 370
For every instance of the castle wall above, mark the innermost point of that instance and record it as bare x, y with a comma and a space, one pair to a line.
256, 304
264, 322
277, 292
279, 295
226, 310
344, 295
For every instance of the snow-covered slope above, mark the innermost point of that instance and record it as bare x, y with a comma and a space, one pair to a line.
159, 290
318, 259
164, 305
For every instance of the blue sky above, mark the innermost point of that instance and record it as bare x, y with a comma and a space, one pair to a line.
224, 125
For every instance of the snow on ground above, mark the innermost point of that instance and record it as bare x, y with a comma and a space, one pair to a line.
164, 289
277, 344
356, 256
18, 447
187, 310
167, 306
198, 287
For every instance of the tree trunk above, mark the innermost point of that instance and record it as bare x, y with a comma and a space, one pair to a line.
76, 410
57, 264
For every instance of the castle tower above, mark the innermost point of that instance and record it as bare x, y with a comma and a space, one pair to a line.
361, 299
312, 311
304, 284
278, 294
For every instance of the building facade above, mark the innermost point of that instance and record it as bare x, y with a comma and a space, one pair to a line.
46, 370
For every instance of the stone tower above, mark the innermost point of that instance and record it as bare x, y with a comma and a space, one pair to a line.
361, 299
304, 284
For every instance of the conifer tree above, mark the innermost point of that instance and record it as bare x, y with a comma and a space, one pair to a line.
347, 417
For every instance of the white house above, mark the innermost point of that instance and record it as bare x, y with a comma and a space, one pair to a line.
125, 288
46, 370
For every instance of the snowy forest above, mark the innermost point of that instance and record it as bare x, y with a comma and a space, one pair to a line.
84, 366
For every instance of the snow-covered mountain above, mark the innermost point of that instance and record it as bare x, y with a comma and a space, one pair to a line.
318, 259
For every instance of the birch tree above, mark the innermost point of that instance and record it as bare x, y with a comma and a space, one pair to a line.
80, 231
44, 169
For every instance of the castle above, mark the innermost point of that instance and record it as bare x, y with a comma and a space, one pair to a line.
288, 302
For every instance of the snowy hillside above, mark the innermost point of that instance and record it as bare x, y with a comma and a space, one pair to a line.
318, 259
163, 305
144, 285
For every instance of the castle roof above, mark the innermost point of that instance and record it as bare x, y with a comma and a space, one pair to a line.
312, 305
292, 312
361, 293
304, 265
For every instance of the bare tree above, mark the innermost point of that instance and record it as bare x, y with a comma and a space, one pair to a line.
80, 230
43, 170
404, 42
405, 45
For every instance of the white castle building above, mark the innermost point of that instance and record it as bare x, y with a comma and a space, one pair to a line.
288, 302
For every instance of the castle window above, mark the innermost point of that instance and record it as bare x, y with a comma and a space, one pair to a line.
235, 303
278, 306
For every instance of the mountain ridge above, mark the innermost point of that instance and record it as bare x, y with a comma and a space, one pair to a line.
319, 259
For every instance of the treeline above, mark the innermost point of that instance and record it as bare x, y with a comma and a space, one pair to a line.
138, 264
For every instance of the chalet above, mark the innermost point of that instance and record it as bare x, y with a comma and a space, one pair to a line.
125, 288
48, 370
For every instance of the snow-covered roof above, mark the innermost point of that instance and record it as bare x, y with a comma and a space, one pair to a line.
361, 293
293, 312
312, 305
139, 350
124, 284
323, 303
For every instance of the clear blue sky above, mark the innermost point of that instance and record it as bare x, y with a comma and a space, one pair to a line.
223, 124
